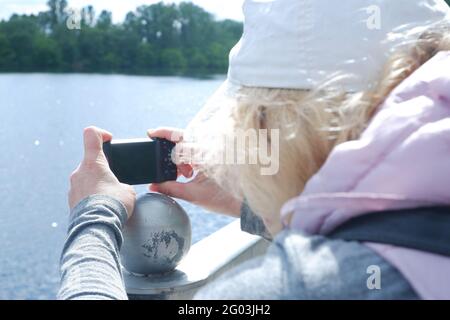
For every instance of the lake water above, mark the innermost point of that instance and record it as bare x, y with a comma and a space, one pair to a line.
41, 121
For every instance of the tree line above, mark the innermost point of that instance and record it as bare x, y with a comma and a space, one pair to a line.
153, 39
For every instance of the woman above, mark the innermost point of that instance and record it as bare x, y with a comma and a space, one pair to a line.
353, 92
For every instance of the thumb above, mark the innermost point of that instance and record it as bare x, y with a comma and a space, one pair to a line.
93, 143
172, 189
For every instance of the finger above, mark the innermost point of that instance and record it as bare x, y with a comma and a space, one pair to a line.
172, 189
185, 170
171, 134
93, 142
186, 154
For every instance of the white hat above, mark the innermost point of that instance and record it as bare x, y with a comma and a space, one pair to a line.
300, 43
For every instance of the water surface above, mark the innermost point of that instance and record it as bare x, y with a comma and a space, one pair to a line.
41, 121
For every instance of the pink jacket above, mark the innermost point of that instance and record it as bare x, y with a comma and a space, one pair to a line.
402, 160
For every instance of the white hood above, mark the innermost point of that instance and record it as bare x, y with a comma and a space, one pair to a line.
299, 44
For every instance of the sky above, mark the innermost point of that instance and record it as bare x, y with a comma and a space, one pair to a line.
222, 9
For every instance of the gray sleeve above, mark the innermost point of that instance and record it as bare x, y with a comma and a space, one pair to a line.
253, 224
90, 265
309, 268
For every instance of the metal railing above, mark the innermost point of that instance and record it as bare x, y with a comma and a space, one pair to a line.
206, 260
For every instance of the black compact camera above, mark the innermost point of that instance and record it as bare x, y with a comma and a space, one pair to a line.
141, 161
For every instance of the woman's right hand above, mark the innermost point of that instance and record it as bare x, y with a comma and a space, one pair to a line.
200, 191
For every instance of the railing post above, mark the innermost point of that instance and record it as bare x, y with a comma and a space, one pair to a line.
207, 259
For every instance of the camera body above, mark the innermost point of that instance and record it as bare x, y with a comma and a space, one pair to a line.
141, 161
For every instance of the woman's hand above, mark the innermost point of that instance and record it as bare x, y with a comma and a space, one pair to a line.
200, 191
93, 176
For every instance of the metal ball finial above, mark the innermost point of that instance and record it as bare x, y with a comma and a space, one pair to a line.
156, 237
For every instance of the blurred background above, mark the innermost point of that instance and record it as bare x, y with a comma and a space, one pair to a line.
125, 66
162, 38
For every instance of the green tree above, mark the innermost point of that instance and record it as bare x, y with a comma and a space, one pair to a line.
147, 59
104, 21
57, 14
87, 16
46, 54
198, 26
196, 61
6, 53
172, 61
154, 39
20, 32
217, 56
